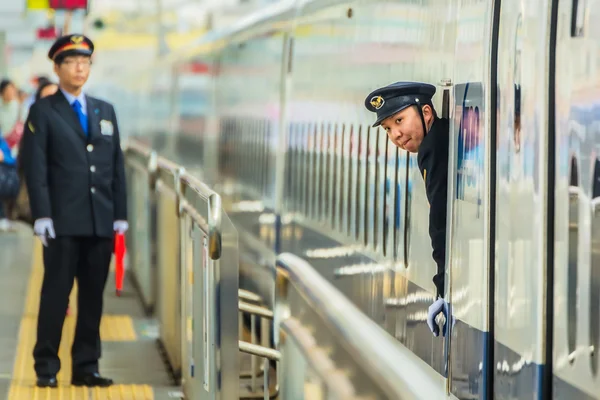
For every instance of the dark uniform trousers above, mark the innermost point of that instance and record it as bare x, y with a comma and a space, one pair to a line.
433, 164
67, 258
78, 181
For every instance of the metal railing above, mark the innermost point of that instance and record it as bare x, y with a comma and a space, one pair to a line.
330, 349
183, 253
184, 257
253, 306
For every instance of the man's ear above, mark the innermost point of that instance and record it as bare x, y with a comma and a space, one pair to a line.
427, 111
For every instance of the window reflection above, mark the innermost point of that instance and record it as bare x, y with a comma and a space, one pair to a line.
595, 270
572, 266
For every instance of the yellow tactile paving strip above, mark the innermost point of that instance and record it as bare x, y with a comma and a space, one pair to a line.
113, 328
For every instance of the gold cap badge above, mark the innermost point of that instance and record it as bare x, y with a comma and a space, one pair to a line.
377, 102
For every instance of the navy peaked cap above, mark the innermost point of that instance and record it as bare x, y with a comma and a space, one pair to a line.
391, 99
71, 45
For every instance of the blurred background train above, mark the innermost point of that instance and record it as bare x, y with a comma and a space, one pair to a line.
271, 114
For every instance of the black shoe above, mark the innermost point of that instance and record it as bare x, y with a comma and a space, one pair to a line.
46, 381
93, 379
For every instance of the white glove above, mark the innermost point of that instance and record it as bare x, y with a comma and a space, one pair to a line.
120, 226
439, 306
44, 229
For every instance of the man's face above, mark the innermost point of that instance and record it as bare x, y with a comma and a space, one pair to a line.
73, 71
405, 128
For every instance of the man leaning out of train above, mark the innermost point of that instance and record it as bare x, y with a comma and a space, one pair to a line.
405, 111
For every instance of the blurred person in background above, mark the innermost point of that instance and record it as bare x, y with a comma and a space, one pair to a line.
21, 210
37, 82
9, 183
10, 113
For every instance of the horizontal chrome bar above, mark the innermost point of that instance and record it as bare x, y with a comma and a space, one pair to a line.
260, 351
185, 183
138, 166
135, 146
256, 310
249, 296
399, 373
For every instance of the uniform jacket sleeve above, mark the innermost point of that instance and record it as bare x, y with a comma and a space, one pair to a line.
35, 162
119, 188
436, 183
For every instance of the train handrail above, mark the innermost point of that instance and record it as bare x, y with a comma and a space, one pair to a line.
398, 372
157, 163
196, 263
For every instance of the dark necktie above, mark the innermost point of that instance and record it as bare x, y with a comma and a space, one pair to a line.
82, 117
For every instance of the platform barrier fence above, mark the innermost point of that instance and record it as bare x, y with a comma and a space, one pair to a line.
183, 255
331, 350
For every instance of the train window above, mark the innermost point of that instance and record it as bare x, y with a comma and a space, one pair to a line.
321, 172
313, 171
594, 318
573, 260
395, 216
348, 177
370, 187
386, 195
334, 178
407, 202
517, 83
294, 142
376, 152
259, 138
325, 171
364, 188
251, 169
296, 132
308, 143
517, 119
356, 151
263, 156
306, 132
254, 136
342, 165
290, 180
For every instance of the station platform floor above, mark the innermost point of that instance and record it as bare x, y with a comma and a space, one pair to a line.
130, 352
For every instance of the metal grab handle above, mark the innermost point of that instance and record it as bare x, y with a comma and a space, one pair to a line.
260, 351
255, 310
249, 296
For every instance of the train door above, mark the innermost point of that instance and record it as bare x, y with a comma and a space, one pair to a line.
471, 208
575, 130
521, 193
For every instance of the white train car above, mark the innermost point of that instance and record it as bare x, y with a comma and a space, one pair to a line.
271, 114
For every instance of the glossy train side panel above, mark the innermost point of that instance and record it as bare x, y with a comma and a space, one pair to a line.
576, 280
347, 209
469, 241
247, 106
520, 267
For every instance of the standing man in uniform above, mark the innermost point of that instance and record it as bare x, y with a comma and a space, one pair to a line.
405, 111
76, 183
